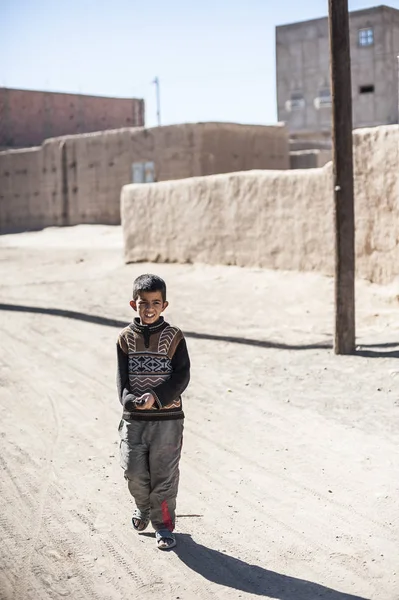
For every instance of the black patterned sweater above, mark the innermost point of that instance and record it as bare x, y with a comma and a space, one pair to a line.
154, 359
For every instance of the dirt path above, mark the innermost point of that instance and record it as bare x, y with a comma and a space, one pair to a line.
289, 477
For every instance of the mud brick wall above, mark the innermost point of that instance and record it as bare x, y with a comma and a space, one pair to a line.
30, 188
272, 219
79, 178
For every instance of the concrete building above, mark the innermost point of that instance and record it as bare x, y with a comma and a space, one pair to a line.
28, 117
303, 75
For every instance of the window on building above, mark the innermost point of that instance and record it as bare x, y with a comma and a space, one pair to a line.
297, 101
323, 100
325, 97
366, 89
366, 36
143, 172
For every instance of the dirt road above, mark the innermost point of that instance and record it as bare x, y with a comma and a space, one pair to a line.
289, 476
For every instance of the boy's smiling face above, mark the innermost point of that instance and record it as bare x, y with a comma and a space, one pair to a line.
149, 306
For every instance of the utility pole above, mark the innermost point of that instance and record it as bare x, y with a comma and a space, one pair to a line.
156, 82
344, 221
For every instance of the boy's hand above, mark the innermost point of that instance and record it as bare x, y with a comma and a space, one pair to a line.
145, 401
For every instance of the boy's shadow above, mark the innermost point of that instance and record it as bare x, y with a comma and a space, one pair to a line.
234, 573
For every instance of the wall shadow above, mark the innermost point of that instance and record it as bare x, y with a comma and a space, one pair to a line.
60, 312
365, 350
231, 572
378, 353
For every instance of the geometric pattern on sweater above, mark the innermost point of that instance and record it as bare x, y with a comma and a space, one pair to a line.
139, 387
166, 339
147, 371
131, 340
149, 367
144, 382
144, 364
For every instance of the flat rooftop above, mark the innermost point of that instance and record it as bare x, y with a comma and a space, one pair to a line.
364, 11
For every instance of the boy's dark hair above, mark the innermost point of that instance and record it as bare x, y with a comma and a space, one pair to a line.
149, 283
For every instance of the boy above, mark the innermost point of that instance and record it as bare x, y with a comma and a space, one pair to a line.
153, 372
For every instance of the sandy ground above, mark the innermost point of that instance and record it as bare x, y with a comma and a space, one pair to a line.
290, 470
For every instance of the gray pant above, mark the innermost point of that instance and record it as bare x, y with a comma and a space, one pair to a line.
150, 454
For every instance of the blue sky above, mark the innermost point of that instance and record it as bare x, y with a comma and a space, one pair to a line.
215, 59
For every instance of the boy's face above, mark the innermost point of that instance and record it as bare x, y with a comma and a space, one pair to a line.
149, 305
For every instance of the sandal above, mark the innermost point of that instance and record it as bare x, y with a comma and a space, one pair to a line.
165, 539
140, 519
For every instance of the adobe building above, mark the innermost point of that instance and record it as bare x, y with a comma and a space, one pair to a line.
303, 75
272, 219
29, 117
78, 179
